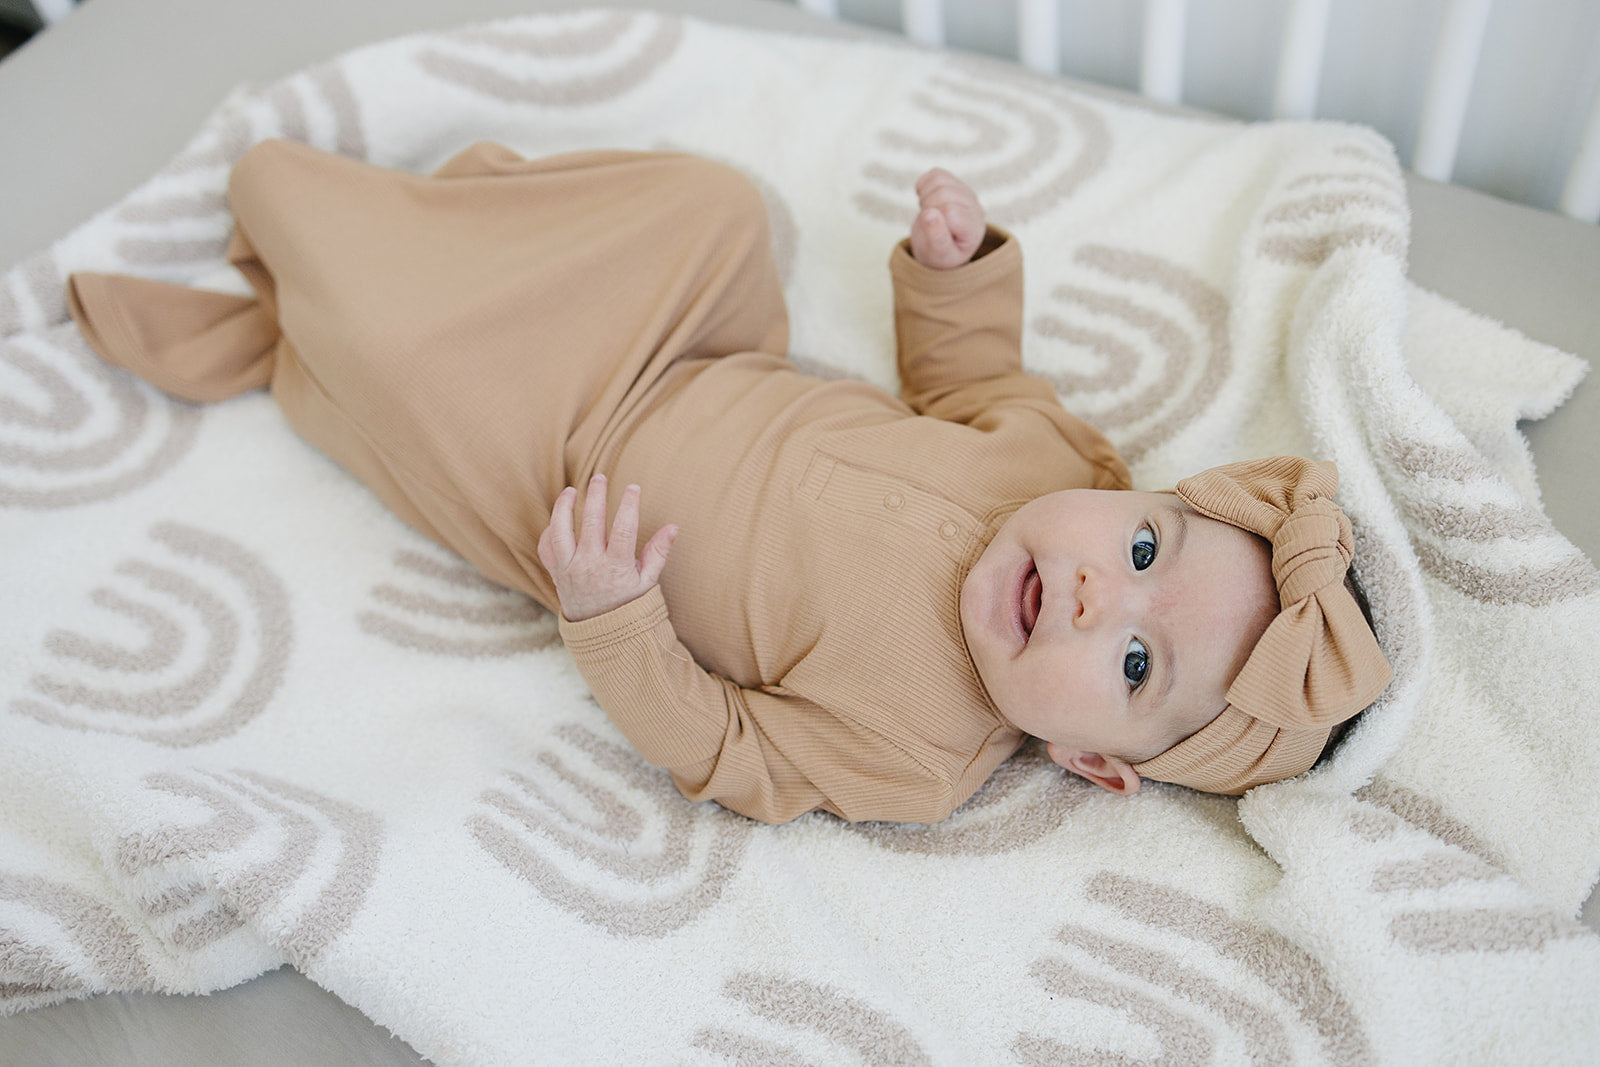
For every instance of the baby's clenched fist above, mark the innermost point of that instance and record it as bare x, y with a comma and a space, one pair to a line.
949, 226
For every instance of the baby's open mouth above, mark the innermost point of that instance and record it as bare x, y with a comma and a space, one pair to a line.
1032, 599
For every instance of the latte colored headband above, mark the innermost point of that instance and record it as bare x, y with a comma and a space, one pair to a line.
1318, 662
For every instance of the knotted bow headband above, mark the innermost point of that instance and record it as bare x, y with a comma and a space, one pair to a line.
1318, 662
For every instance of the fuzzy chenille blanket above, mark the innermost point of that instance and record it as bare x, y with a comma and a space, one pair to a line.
248, 717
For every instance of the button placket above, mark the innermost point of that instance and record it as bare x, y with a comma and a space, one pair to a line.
889, 499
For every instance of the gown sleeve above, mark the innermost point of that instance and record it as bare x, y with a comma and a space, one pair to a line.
959, 344
766, 753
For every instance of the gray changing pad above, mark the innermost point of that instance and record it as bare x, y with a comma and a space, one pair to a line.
97, 103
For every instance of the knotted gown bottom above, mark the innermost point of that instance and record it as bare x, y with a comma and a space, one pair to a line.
467, 343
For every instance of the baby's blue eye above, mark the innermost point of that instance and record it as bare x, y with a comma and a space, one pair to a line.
1136, 664
1144, 548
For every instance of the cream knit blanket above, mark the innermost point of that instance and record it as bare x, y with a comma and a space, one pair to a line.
247, 717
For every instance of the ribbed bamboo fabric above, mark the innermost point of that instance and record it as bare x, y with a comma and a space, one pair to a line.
470, 343
1317, 664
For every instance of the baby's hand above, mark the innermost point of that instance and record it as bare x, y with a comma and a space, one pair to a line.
595, 574
950, 226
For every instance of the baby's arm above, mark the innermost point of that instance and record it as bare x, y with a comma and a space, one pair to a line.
766, 753
958, 326
958, 305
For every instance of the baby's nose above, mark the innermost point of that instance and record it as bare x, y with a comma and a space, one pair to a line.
1102, 596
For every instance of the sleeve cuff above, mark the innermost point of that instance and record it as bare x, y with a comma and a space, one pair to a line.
999, 254
637, 616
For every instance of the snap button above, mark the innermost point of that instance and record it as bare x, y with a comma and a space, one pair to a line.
948, 530
893, 501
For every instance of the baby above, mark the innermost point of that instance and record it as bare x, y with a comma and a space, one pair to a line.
850, 601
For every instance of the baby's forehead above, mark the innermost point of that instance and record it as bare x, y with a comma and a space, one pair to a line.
1154, 504
1159, 499
1224, 597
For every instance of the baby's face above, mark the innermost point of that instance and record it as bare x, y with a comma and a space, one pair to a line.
1111, 623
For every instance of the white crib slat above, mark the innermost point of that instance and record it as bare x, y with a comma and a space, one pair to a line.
1039, 35
52, 11
923, 20
1305, 40
1580, 196
1161, 72
828, 9
1444, 109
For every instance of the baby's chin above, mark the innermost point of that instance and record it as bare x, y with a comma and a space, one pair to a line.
974, 593
981, 611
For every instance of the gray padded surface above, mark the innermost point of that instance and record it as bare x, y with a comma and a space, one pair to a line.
1539, 273
279, 1018
97, 103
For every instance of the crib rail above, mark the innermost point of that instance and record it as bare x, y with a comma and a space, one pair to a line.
1441, 116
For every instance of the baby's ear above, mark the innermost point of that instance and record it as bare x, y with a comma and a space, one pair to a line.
1107, 772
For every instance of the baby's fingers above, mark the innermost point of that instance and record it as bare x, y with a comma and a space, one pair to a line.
592, 529
935, 228
556, 545
625, 527
654, 557
932, 244
934, 180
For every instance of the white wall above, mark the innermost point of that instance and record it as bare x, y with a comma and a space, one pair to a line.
1539, 70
